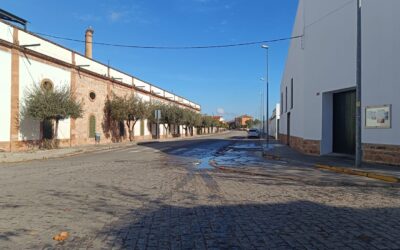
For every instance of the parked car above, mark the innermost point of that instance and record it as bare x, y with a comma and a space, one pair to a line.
253, 133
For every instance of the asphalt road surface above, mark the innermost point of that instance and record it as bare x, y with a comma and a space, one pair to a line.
170, 195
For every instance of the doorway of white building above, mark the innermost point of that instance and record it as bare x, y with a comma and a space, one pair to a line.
344, 122
288, 129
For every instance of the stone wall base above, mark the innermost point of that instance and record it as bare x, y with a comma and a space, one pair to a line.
373, 153
34, 144
4, 146
380, 153
311, 147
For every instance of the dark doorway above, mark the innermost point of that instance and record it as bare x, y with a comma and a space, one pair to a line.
344, 122
288, 129
48, 130
121, 129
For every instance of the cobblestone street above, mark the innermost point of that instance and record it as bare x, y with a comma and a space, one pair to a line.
165, 196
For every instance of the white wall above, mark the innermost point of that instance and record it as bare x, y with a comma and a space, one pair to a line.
381, 66
169, 95
146, 128
324, 62
93, 66
6, 32
45, 47
294, 69
5, 95
123, 77
157, 91
137, 128
141, 84
330, 57
33, 72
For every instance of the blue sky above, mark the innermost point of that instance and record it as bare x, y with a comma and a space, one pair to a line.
225, 80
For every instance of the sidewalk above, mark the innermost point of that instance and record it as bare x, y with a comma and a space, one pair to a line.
38, 154
336, 163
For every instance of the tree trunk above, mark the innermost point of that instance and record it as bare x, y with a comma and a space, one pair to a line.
55, 139
131, 130
186, 130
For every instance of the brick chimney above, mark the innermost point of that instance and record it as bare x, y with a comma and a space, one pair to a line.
89, 42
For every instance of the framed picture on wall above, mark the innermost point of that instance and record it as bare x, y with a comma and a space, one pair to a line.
378, 116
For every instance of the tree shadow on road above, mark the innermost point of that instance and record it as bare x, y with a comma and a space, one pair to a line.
294, 225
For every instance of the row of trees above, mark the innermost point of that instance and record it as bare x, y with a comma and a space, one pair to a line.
130, 109
51, 106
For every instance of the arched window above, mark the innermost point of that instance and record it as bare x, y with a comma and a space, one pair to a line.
92, 126
47, 84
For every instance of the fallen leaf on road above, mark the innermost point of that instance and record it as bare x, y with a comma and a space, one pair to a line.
61, 236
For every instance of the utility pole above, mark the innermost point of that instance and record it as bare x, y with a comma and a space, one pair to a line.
358, 160
264, 46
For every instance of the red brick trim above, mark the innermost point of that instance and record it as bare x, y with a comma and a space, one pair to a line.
380, 153
14, 128
72, 129
311, 147
4, 146
34, 144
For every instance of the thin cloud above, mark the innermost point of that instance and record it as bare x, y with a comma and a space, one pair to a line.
115, 16
87, 17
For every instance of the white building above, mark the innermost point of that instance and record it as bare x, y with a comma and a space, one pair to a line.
318, 86
27, 59
274, 122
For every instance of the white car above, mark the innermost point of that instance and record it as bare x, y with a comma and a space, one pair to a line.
253, 133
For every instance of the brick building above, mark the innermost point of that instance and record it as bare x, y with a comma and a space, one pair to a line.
241, 120
27, 59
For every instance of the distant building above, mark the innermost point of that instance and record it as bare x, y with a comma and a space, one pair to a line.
318, 87
218, 118
241, 120
274, 122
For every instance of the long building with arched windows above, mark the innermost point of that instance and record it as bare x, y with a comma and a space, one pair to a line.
27, 59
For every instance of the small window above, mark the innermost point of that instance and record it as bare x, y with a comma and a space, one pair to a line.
46, 84
286, 99
281, 103
92, 126
291, 94
92, 96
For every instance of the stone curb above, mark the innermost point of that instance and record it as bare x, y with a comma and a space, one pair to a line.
368, 174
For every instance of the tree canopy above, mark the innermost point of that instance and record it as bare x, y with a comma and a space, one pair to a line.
128, 109
51, 105
57, 104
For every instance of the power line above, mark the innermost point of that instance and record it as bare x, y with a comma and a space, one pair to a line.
330, 13
171, 47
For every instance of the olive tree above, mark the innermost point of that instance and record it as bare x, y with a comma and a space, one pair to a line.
189, 121
129, 110
207, 122
51, 105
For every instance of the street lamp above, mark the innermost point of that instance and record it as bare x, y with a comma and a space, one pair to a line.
266, 47
263, 106
358, 160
